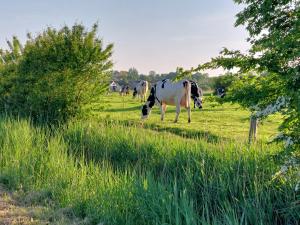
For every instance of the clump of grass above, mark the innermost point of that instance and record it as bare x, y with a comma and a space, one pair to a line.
127, 175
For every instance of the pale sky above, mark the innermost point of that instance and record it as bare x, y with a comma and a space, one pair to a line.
157, 35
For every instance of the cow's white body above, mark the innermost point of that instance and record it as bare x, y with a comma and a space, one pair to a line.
166, 93
169, 93
141, 89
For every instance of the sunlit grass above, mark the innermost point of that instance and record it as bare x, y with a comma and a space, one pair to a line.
111, 168
225, 121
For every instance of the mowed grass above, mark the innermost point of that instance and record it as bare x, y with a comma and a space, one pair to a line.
112, 169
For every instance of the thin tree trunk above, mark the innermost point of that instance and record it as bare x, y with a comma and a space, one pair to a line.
3, 61
253, 129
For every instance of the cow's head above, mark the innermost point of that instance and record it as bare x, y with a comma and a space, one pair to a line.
198, 102
146, 109
196, 94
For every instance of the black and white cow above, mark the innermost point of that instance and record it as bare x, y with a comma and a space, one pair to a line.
179, 93
124, 90
141, 90
221, 92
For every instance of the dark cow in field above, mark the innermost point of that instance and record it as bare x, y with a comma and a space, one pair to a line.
179, 93
221, 92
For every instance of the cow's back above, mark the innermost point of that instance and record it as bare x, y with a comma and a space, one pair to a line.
168, 92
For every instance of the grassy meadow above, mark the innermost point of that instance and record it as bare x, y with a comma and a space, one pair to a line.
213, 122
110, 168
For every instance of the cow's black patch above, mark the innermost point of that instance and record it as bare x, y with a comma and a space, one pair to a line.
144, 110
185, 83
163, 83
134, 92
151, 98
150, 101
195, 92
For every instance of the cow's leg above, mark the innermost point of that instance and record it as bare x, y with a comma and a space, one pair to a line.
162, 114
177, 111
143, 98
189, 113
162, 111
165, 108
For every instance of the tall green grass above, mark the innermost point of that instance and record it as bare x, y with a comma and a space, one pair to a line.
119, 174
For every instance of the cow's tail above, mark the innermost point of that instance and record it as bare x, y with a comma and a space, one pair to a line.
144, 90
187, 90
145, 87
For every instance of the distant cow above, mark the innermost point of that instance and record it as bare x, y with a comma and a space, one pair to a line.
221, 92
179, 93
141, 90
124, 90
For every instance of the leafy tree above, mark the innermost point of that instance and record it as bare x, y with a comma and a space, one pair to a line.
273, 61
152, 73
59, 72
224, 81
14, 52
203, 80
133, 74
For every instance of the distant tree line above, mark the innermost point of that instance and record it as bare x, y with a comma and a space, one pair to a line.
206, 82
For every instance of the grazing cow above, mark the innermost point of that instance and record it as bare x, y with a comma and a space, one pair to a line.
196, 94
124, 90
179, 93
141, 90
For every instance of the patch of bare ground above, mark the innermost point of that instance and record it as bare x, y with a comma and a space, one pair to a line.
28, 209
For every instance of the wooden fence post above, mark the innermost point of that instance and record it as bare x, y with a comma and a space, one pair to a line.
253, 129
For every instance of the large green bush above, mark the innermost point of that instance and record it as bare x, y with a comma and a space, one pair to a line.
59, 72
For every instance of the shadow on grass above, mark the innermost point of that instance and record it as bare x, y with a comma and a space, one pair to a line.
190, 134
196, 110
127, 109
123, 153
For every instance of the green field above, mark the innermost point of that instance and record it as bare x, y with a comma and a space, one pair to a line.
214, 121
109, 167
